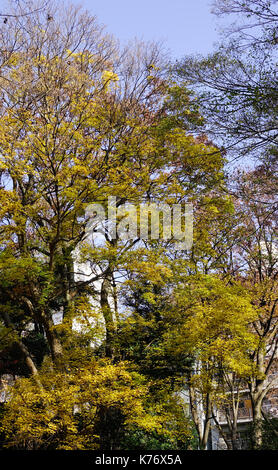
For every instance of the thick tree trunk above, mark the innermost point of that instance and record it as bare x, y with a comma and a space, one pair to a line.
108, 317
234, 439
205, 436
54, 343
207, 423
257, 421
30, 363
257, 393
24, 351
45, 319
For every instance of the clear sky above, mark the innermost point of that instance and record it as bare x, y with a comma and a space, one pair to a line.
185, 26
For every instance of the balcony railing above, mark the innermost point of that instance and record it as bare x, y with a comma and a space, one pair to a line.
243, 414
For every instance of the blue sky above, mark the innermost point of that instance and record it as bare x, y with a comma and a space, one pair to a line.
185, 26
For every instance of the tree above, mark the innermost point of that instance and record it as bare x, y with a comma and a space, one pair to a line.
257, 268
49, 418
82, 120
238, 82
209, 321
237, 92
20, 8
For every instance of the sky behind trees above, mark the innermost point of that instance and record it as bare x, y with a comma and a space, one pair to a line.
185, 26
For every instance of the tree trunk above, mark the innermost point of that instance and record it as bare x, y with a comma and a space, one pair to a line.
108, 317
257, 422
24, 351
53, 341
202, 424
45, 319
257, 393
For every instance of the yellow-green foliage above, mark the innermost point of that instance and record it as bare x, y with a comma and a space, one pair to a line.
63, 413
213, 323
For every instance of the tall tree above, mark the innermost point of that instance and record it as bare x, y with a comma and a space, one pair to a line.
81, 120
237, 83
